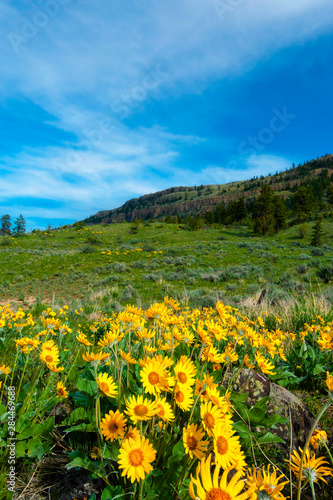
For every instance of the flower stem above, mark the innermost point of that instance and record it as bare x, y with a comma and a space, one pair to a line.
320, 414
329, 453
312, 489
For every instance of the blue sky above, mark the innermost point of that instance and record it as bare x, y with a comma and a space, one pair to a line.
106, 101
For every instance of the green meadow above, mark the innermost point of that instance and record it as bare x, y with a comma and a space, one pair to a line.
112, 265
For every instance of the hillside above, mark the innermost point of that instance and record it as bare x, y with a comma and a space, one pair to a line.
195, 200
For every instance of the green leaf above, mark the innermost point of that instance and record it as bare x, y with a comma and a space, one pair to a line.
82, 399
275, 419
20, 449
178, 448
242, 430
270, 438
77, 415
86, 464
86, 386
37, 429
82, 427
112, 492
318, 369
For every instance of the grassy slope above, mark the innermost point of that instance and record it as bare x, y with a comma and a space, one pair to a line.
196, 268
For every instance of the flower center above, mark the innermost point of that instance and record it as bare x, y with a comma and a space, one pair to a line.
135, 457
161, 411
182, 377
141, 410
130, 435
153, 378
222, 445
48, 358
113, 426
104, 387
180, 396
209, 420
191, 443
61, 392
217, 494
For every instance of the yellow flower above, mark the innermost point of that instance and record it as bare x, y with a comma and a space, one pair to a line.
211, 415
264, 365
313, 468
106, 385
267, 483
113, 425
135, 457
61, 391
201, 386
183, 397
99, 356
247, 361
164, 410
156, 311
140, 409
193, 441
226, 446
318, 438
132, 433
329, 383
153, 376
4, 370
82, 338
95, 452
127, 357
229, 356
171, 302
50, 357
27, 344
54, 368
185, 371
211, 486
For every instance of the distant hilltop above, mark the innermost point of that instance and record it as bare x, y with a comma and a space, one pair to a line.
183, 201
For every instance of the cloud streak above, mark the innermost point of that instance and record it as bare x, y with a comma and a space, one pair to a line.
112, 75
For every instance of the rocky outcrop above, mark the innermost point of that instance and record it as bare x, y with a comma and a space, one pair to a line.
282, 402
199, 200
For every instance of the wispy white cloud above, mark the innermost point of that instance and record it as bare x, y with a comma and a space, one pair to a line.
91, 58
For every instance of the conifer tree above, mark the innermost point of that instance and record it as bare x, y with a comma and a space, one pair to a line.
5, 224
302, 203
263, 211
280, 213
330, 194
19, 225
317, 233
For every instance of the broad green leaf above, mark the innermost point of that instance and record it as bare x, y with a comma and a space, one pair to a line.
87, 386
77, 415
318, 369
86, 464
270, 438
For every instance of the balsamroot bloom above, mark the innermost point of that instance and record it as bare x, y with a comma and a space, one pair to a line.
107, 385
313, 468
135, 457
266, 482
193, 441
208, 486
61, 391
113, 425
